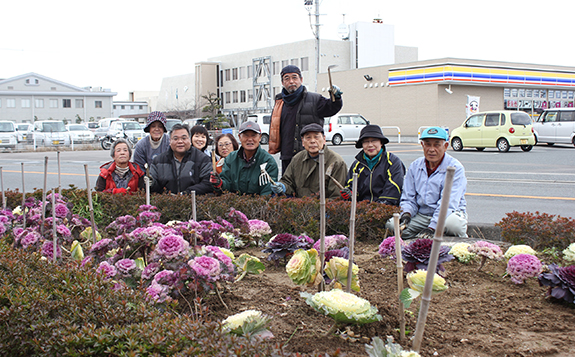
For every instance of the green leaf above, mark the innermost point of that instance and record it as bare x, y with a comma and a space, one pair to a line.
407, 296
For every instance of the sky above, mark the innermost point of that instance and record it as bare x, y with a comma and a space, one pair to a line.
130, 45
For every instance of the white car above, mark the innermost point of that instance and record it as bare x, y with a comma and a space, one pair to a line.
80, 133
7, 134
555, 126
24, 131
50, 133
343, 127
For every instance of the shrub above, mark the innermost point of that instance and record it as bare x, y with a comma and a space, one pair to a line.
538, 230
61, 309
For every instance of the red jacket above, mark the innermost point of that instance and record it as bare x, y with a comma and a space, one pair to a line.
106, 181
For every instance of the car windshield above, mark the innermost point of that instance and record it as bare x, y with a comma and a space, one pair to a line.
132, 126
23, 127
53, 127
77, 127
520, 119
6, 127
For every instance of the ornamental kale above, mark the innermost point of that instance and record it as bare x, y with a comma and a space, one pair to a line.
523, 266
342, 307
417, 255
304, 267
283, 245
486, 250
387, 247
333, 242
561, 282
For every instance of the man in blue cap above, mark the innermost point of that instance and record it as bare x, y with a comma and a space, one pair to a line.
423, 189
295, 108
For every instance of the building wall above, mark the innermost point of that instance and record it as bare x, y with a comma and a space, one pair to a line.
206, 82
177, 93
129, 108
372, 44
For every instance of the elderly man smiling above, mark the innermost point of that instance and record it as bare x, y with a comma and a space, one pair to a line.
302, 175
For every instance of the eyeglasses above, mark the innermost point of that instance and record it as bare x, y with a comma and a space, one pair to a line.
182, 138
224, 144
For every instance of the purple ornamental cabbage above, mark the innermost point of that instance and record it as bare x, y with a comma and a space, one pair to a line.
126, 267
206, 268
48, 250
165, 277
146, 218
29, 238
146, 208
561, 282
172, 247
150, 271
387, 247
333, 242
523, 266
239, 220
121, 225
417, 255
108, 269
284, 244
341, 253
61, 211
158, 293
101, 247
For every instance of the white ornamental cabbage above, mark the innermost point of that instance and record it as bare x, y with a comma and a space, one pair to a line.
342, 307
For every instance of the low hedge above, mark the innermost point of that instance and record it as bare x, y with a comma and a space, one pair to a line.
284, 215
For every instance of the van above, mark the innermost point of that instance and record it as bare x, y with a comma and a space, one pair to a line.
344, 127
51, 133
555, 126
8, 136
495, 129
263, 120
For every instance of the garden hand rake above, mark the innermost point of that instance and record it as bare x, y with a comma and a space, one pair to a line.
265, 178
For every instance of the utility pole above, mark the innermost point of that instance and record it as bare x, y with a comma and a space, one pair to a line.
308, 4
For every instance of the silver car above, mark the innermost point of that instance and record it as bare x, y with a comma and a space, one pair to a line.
50, 133
80, 133
344, 127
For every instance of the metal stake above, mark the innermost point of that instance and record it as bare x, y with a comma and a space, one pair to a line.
44, 194
23, 198
399, 264
321, 216
2, 184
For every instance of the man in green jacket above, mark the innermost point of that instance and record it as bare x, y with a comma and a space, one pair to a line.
241, 171
302, 175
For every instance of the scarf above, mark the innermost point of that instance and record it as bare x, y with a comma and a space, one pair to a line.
372, 162
155, 144
292, 98
122, 171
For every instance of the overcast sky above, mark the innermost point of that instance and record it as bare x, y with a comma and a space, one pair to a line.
129, 45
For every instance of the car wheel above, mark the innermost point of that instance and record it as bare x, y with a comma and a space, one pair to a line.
526, 147
480, 149
573, 141
337, 139
550, 144
265, 139
106, 144
503, 145
456, 144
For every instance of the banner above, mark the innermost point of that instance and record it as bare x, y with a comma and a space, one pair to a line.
472, 106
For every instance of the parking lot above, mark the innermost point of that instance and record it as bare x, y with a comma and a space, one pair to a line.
540, 180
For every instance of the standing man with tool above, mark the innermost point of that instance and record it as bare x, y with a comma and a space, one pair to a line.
295, 108
301, 178
423, 190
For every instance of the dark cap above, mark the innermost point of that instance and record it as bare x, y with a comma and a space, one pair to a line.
371, 131
250, 125
290, 68
312, 127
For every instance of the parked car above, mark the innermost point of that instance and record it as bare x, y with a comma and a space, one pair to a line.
8, 136
80, 133
500, 129
50, 133
23, 131
93, 126
171, 122
263, 120
555, 126
344, 127
193, 121
130, 130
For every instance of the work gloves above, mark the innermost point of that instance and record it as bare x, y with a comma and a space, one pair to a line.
149, 180
404, 220
215, 180
427, 233
345, 193
336, 92
278, 188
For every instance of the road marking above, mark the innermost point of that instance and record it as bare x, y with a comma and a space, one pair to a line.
520, 196
49, 173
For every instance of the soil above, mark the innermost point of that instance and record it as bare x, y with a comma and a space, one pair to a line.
482, 314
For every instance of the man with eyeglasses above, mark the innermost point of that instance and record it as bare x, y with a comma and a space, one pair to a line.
295, 108
182, 168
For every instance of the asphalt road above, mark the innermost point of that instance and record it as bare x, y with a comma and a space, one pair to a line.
541, 180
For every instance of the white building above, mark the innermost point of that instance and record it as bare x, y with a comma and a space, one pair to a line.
32, 96
129, 108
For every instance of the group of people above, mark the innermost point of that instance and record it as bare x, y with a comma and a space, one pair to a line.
180, 162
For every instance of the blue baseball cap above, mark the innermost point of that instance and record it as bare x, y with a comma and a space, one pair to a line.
434, 132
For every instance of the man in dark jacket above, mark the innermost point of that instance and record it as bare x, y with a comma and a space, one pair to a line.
183, 168
242, 168
295, 108
379, 173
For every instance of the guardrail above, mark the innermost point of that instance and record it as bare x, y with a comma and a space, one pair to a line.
398, 131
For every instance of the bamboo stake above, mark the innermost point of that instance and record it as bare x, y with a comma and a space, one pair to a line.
59, 176
194, 215
91, 206
54, 236
23, 198
2, 184
434, 255
44, 194
351, 232
321, 216
399, 263
147, 183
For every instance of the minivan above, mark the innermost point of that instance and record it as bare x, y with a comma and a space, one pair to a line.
555, 126
51, 133
7, 134
495, 129
344, 127
263, 120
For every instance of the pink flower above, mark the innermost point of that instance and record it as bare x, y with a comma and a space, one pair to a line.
2, 229
150, 271
146, 208
486, 249
158, 293
206, 267
165, 277
172, 247
108, 270
387, 247
259, 228
29, 239
63, 231
48, 249
61, 210
523, 266
126, 267
102, 246
148, 217
332, 242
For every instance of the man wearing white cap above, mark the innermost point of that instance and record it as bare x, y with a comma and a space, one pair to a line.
423, 190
